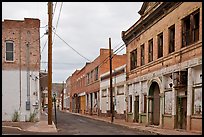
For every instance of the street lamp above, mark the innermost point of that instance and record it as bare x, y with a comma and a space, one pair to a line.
54, 100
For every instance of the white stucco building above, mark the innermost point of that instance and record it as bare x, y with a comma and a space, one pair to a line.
119, 86
20, 68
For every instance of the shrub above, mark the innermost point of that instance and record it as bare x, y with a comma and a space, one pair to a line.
15, 117
32, 117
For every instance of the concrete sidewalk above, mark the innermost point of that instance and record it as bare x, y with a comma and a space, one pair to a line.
140, 127
41, 126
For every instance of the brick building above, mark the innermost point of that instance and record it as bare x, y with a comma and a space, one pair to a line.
164, 65
85, 83
20, 68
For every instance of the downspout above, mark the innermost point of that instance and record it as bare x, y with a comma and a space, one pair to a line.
20, 67
28, 77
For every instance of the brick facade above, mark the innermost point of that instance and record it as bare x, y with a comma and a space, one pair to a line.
158, 79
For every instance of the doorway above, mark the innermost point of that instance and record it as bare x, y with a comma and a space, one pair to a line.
154, 104
136, 109
182, 112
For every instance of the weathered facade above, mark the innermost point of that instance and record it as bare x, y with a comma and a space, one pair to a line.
20, 68
85, 83
119, 86
164, 66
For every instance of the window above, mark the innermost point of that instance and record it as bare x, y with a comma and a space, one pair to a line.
9, 51
150, 53
145, 103
197, 101
142, 55
120, 90
168, 102
133, 59
172, 39
88, 78
96, 73
190, 29
160, 45
130, 104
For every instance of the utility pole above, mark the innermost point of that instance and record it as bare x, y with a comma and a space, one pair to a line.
111, 87
63, 95
49, 63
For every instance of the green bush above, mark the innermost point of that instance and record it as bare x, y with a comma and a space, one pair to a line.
32, 117
16, 116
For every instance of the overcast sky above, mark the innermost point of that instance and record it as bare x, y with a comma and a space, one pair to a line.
85, 26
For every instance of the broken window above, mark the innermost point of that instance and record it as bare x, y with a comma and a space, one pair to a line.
160, 45
142, 55
133, 59
190, 29
172, 39
9, 51
150, 55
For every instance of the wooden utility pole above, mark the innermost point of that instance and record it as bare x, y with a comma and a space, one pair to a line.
49, 63
111, 87
63, 95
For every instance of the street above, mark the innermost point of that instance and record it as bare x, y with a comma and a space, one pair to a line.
70, 124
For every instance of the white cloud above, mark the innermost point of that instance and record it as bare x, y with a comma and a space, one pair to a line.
86, 26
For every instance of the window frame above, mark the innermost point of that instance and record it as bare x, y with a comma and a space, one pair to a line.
150, 50
192, 20
142, 60
133, 59
171, 41
160, 45
9, 41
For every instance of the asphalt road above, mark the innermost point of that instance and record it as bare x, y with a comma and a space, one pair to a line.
70, 124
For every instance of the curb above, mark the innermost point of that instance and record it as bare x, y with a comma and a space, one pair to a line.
144, 130
13, 127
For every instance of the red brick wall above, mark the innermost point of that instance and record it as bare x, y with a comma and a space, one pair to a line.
118, 60
17, 31
180, 54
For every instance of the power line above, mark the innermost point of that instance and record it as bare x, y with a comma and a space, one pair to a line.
57, 22
71, 47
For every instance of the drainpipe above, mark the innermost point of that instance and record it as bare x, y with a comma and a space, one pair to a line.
28, 76
20, 67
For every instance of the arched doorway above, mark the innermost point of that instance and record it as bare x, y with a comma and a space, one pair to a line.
154, 104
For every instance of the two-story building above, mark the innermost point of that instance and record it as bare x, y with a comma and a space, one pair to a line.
85, 83
20, 69
164, 68
119, 88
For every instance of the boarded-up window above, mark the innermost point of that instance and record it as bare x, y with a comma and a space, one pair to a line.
168, 102
9, 51
150, 52
197, 101
160, 45
172, 39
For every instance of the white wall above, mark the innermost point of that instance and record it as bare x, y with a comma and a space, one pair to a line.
120, 99
11, 94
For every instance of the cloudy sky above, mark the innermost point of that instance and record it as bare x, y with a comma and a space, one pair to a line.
84, 26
